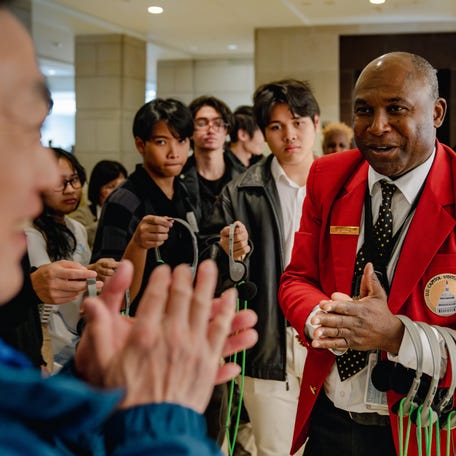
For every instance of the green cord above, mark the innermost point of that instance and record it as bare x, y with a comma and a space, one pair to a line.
418, 431
401, 428
437, 437
232, 441
428, 436
403, 447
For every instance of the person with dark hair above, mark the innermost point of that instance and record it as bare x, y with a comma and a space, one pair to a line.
376, 248
53, 237
210, 168
137, 221
205, 174
267, 198
136, 386
105, 177
247, 140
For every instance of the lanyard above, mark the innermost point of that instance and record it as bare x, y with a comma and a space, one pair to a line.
370, 246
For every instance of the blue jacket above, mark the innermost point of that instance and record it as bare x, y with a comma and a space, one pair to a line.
61, 415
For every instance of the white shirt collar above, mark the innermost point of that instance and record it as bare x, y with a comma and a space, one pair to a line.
279, 174
409, 184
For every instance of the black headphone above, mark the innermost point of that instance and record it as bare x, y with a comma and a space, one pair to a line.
238, 270
190, 229
445, 405
408, 404
388, 375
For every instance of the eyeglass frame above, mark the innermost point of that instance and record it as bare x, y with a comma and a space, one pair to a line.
62, 187
217, 123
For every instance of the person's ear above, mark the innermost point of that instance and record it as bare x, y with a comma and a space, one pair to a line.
242, 135
139, 143
440, 107
317, 122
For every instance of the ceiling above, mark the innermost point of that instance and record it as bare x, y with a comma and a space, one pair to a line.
206, 28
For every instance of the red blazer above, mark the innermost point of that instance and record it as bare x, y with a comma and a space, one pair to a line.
323, 263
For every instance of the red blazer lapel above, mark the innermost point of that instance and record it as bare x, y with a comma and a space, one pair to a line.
430, 226
346, 213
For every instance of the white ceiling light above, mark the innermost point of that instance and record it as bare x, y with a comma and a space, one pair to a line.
232, 47
155, 9
377, 2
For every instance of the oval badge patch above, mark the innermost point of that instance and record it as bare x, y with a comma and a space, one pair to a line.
440, 294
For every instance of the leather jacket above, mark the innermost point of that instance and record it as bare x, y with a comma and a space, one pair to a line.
253, 199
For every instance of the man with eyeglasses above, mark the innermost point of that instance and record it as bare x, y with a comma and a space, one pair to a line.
204, 175
210, 168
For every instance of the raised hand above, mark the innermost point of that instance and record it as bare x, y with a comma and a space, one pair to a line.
171, 350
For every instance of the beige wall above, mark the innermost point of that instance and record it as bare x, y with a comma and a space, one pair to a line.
312, 54
231, 80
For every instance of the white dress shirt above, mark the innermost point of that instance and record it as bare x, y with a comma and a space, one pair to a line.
291, 197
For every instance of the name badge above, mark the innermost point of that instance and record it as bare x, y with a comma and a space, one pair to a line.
350, 230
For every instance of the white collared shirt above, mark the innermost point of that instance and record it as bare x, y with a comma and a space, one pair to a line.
291, 197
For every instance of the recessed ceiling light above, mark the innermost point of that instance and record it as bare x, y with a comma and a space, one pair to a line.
155, 9
51, 72
232, 47
377, 2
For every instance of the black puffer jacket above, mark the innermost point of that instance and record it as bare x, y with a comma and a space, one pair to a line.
252, 198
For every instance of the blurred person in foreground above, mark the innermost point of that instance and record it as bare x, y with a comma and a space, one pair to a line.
153, 374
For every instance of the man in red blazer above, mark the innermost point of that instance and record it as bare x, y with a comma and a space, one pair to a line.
397, 110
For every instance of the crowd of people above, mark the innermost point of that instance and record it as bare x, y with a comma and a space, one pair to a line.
135, 283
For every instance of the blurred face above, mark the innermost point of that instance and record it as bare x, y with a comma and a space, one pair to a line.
108, 188
395, 116
336, 141
255, 144
64, 198
26, 168
210, 130
163, 155
290, 138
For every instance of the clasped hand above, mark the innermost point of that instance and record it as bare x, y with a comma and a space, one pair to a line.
362, 324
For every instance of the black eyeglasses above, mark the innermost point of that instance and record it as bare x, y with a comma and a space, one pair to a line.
74, 181
202, 123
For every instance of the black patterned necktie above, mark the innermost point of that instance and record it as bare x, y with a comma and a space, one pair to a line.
352, 361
